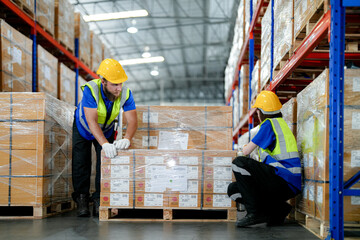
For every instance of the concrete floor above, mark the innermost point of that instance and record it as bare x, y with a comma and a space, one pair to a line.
68, 226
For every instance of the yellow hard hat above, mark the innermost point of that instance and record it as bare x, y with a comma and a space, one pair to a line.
268, 102
112, 71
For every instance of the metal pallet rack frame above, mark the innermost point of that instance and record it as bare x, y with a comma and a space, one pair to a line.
36, 29
332, 25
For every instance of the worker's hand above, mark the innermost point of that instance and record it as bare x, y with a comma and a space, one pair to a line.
122, 144
109, 149
240, 151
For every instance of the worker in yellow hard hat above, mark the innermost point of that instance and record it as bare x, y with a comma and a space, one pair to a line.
94, 124
264, 186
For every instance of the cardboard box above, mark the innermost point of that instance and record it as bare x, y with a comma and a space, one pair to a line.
216, 186
151, 200
116, 200
289, 112
45, 14
95, 51
47, 67
16, 60
64, 24
66, 84
188, 201
117, 171
221, 201
82, 32
114, 185
218, 173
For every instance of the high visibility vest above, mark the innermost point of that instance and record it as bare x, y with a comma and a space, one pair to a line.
95, 87
285, 146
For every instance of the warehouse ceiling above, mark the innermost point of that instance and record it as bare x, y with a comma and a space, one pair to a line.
194, 37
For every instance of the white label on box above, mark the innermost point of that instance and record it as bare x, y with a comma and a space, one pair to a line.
193, 173
311, 193
221, 186
221, 201
222, 173
120, 171
151, 168
311, 159
356, 120
16, 55
356, 84
119, 185
10, 67
173, 140
46, 71
149, 141
154, 117
178, 178
153, 200
158, 178
355, 200
222, 161
192, 187
189, 160
355, 158
149, 188
305, 191
120, 160
154, 160
320, 194
119, 199
188, 200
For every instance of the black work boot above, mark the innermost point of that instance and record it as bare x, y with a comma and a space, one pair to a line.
251, 219
96, 207
278, 217
82, 202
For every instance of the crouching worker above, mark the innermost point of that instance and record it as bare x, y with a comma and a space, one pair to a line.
265, 186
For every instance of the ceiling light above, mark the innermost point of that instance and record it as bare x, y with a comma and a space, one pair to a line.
141, 60
154, 73
146, 55
115, 15
132, 30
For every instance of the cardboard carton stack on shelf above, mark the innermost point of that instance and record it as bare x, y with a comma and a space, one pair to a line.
255, 81
106, 53
16, 60
64, 24
35, 149
82, 32
45, 15
180, 157
47, 72
313, 143
95, 51
234, 102
66, 83
244, 91
289, 112
265, 47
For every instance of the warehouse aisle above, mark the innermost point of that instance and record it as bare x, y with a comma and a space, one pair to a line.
68, 226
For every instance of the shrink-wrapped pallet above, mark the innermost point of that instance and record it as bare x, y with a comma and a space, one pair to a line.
16, 60
289, 112
255, 81
313, 142
35, 149
45, 15
235, 105
244, 90
47, 72
265, 47
66, 84
64, 23
181, 128
96, 51
82, 33
190, 179
283, 29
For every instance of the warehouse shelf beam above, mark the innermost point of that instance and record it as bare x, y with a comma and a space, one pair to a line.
244, 49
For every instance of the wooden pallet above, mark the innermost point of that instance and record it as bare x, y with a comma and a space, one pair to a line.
66, 47
173, 215
35, 212
25, 8
45, 29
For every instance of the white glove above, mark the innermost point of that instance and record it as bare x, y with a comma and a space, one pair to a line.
109, 149
122, 144
240, 152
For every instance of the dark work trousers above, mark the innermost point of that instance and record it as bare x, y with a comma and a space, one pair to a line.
81, 164
259, 188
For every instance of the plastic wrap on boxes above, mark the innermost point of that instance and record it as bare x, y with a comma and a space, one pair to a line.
167, 179
247, 16
81, 82
16, 60
27, 6
244, 139
82, 32
244, 90
239, 26
64, 23
313, 144
303, 11
45, 14
35, 149
235, 105
265, 47
181, 128
283, 29
289, 112
66, 84
47, 72
96, 51
255, 80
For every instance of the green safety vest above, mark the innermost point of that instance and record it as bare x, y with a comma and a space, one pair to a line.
95, 87
285, 147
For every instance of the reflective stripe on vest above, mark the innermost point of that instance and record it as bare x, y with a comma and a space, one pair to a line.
280, 151
94, 86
